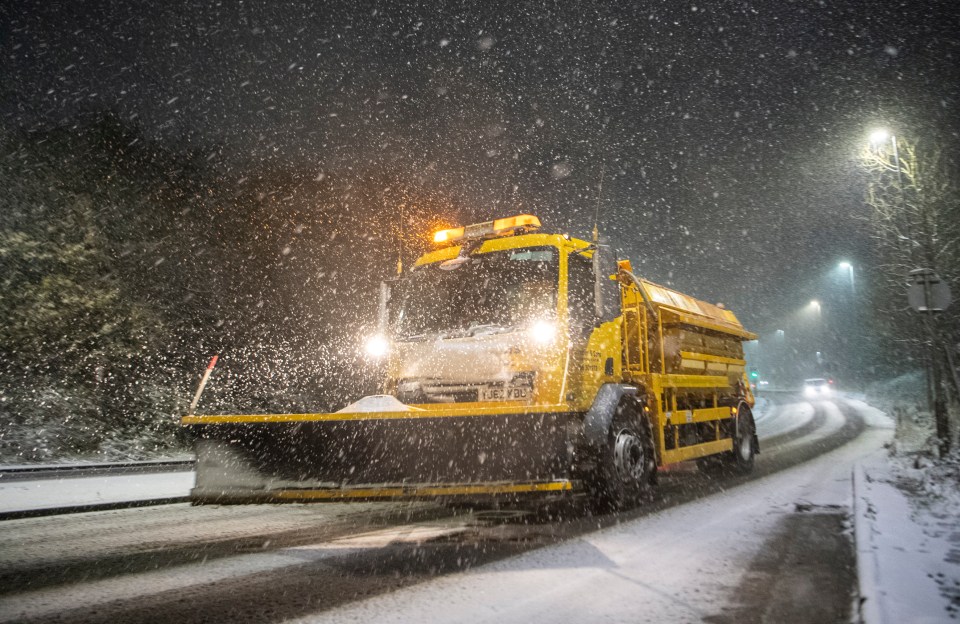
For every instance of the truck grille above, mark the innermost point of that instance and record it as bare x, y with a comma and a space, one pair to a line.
520, 388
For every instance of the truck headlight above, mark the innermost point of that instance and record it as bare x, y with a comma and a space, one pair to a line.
376, 346
542, 332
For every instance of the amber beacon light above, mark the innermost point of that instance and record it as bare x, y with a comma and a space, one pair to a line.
498, 227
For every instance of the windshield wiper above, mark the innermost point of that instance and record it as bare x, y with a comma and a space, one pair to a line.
488, 328
414, 338
463, 332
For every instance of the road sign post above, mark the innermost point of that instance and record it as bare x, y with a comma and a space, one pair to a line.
928, 294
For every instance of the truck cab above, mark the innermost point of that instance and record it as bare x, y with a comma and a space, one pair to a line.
503, 314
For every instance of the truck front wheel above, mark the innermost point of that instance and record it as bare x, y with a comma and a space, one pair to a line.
626, 464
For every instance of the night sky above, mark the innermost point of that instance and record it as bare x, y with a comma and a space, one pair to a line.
726, 133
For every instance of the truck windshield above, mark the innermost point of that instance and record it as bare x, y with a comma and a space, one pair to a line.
489, 292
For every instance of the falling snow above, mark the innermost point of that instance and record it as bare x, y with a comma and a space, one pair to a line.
238, 179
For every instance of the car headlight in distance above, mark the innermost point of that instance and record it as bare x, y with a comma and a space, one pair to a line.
542, 332
376, 346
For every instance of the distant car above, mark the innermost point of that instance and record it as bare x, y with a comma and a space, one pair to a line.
817, 388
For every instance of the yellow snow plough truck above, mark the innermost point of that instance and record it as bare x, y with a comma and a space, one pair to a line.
518, 363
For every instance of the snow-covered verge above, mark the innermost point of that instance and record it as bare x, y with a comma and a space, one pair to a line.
77, 442
26, 444
907, 519
58, 424
908, 544
904, 399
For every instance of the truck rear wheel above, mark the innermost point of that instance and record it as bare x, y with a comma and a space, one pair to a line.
744, 442
740, 460
626, 464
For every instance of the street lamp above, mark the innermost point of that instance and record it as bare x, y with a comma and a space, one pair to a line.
816, 331
881, 136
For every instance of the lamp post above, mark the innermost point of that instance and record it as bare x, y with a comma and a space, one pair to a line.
848, 331
817, 333
926, 224
878, 138
846, 266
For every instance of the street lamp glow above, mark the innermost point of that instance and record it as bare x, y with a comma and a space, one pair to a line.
815, 304
845, 265
879, 136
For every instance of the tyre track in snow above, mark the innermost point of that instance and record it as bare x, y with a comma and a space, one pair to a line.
43, 567
321, 574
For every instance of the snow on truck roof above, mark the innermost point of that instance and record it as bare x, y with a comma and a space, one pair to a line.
724, 319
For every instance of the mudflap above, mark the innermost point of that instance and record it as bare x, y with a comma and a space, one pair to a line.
389, 458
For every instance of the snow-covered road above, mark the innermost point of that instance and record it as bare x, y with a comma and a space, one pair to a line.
771, 547
765, 551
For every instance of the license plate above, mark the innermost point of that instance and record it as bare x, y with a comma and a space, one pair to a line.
497, 393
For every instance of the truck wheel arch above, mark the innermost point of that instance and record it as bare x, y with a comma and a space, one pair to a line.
596, 422
619, 449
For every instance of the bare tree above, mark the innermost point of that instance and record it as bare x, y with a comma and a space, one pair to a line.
915, 222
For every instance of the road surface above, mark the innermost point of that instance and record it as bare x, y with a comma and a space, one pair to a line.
771, 547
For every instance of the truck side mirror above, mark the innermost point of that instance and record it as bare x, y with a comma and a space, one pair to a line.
606, 288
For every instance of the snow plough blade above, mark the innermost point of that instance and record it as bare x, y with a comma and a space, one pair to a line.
429, 452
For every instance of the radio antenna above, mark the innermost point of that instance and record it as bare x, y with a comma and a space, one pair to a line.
596, 211
603, 148
400, 239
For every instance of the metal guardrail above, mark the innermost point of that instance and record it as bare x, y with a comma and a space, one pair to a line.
10, 474
72, 509
50, 471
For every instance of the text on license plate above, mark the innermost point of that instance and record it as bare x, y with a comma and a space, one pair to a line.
504, 394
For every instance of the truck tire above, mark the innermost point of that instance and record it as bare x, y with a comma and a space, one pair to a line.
626, 467
741, 459
744, 442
